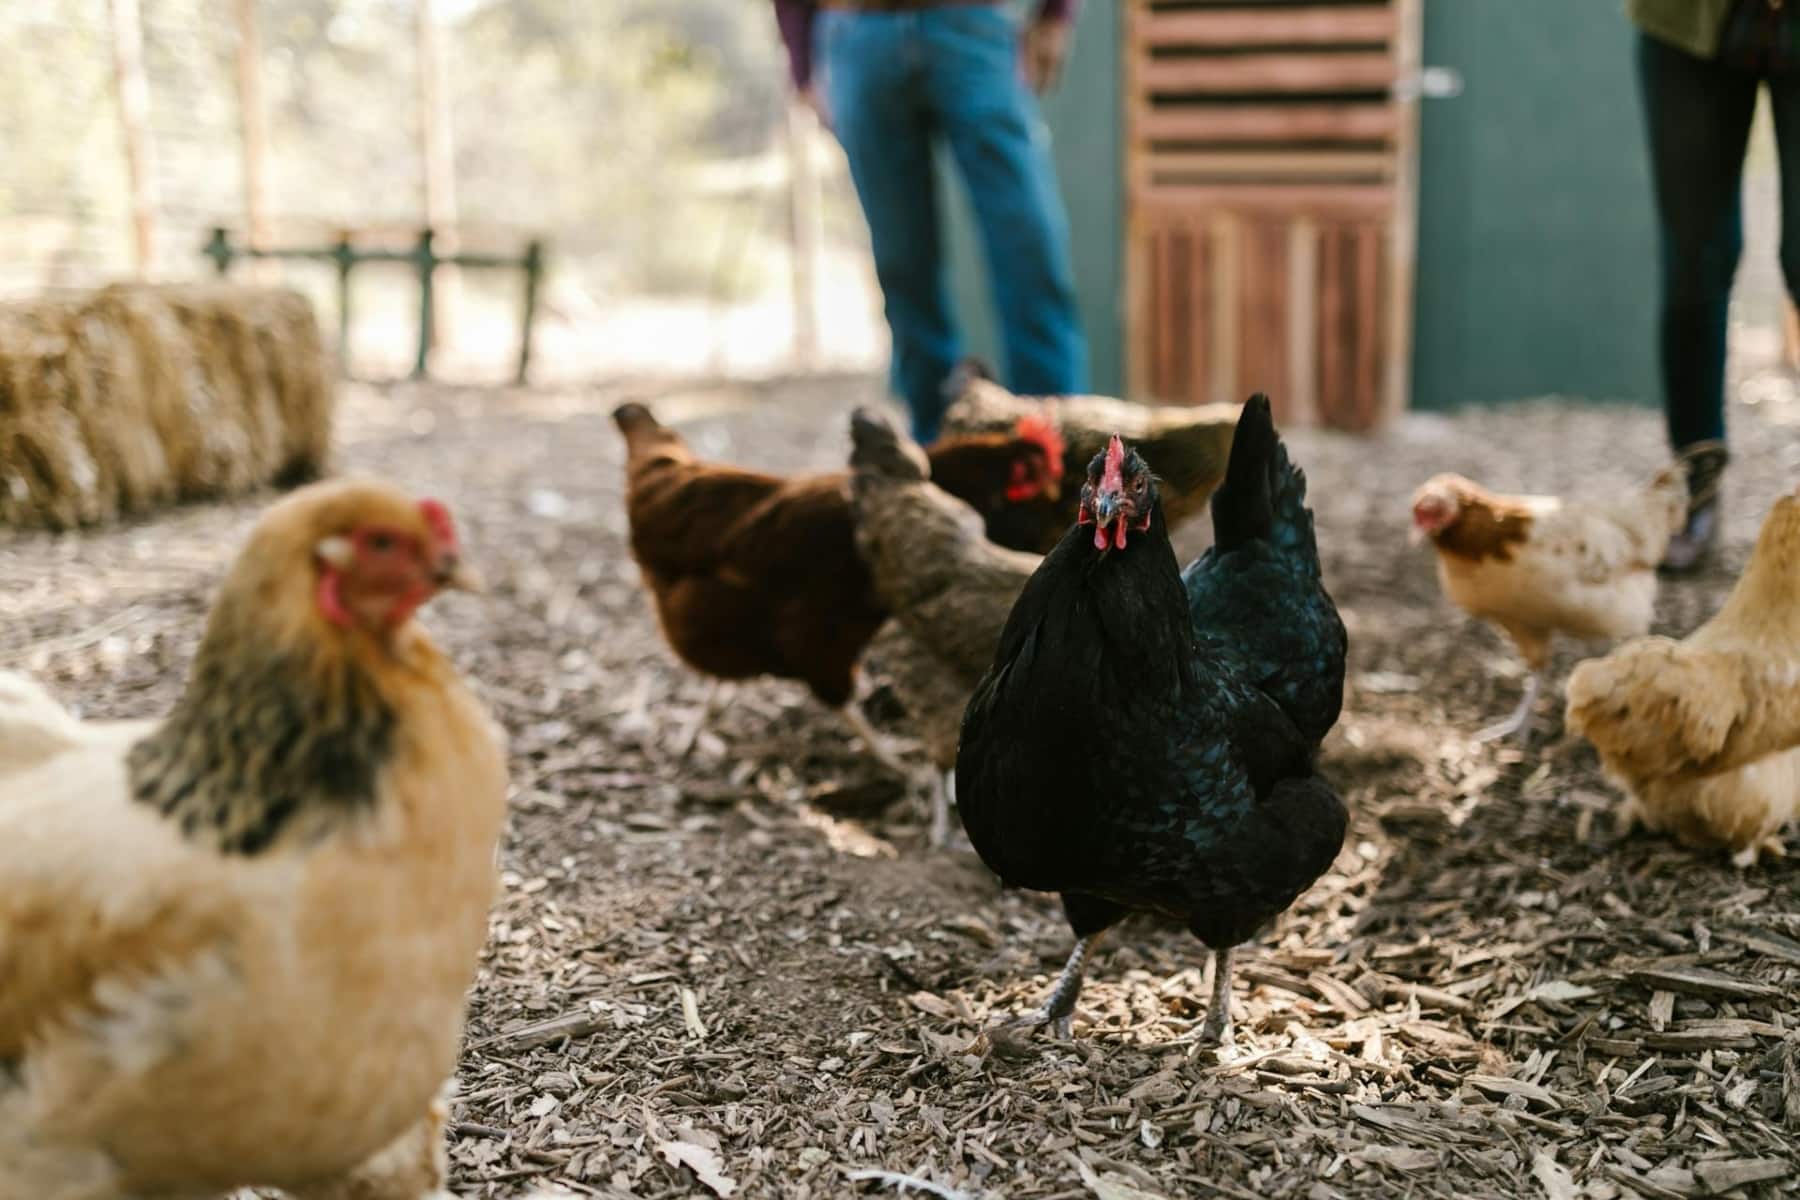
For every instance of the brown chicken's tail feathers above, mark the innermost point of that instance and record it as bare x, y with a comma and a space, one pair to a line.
877, 449
632, 417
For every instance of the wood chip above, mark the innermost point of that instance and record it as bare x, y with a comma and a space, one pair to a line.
1734, 1173
1701, 981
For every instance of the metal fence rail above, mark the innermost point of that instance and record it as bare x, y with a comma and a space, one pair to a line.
346, 256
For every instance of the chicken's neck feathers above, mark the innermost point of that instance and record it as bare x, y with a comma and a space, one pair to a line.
1122, 612
272, 743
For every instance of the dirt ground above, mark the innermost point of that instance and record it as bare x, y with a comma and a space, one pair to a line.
745, 972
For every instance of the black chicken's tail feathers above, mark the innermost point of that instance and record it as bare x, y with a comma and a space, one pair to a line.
1263, 497
878, 449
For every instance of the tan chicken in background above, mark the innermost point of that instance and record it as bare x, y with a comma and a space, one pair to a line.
1702, 733
1189, 444
1535, 567
949, 589
235, 942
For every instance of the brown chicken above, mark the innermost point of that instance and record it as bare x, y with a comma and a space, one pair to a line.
758, 574
1534, 567
235, 942
1188, 443
948, 587
1701, 733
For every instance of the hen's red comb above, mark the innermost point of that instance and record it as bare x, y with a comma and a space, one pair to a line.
1039, 429
1112, 475
437, 519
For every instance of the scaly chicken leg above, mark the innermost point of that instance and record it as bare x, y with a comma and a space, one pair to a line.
1519, 720
1058, 1009
1216, 1029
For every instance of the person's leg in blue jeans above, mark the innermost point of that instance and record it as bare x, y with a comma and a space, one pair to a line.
874, 90
1002, 151
1698, 114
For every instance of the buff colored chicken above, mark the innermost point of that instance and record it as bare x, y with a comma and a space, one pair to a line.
1189, 444
1702, 734
235, 942
1535, 567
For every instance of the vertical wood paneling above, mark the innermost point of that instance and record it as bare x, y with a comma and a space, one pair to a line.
1268, 268
1303, 320
1227, 275
1263, 324
1200, 318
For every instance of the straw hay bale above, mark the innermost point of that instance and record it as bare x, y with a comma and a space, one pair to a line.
137, 396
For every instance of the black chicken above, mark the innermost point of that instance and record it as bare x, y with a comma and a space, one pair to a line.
1147, 742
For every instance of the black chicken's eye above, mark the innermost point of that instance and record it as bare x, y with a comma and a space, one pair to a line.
381, 543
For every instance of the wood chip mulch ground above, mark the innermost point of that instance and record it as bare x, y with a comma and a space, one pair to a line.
742, 972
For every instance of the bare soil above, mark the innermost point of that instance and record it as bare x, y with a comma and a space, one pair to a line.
745, 965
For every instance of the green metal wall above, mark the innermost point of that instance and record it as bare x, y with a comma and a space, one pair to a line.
1537, 256
1085, 122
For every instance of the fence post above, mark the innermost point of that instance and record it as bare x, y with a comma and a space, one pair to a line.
345, 257
218, 248
427, 262
534, 271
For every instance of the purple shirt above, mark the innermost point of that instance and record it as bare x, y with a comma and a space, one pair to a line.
796, 17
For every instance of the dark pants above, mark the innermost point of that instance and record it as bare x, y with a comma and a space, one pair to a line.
898, 84
1699, 114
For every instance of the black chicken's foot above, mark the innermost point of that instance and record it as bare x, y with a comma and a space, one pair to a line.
1216, 1029
1058, 1010
1518, 721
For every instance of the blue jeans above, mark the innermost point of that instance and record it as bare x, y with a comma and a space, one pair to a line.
1699, 113
896, 82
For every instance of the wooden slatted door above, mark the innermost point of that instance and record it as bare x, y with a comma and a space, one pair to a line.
1270, 228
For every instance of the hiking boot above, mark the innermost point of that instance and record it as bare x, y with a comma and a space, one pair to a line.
1690, 548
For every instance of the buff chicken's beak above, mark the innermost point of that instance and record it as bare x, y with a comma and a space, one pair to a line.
453, 574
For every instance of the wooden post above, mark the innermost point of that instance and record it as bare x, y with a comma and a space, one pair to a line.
253, 127
534, 273
344, 255
427, 264
218, 248
803, 233
437, 150
134, 120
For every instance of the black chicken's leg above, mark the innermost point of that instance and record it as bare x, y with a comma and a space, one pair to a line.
1089, 917
1217, 1026
1058, 1010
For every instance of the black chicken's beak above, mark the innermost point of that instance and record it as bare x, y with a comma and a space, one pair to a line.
1106, 509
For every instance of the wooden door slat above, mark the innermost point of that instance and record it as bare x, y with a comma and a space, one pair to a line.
1231, 28
1284, 73
1267, 123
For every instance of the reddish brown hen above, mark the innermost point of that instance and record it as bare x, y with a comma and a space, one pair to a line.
758, 574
